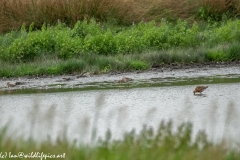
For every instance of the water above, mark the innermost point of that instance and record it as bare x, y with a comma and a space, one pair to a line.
75, 112
121, 110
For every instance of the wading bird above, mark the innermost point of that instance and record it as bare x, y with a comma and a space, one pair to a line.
10, 85
200, 89
125, 80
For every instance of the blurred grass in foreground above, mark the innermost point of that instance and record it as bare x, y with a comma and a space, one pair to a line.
148, 144
163, 143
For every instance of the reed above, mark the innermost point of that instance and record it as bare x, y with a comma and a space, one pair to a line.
14, 13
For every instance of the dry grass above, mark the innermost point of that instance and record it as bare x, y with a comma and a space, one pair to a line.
172, 9
16, 12
186, 9
13, 13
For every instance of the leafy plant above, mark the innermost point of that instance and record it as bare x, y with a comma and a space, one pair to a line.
100, 44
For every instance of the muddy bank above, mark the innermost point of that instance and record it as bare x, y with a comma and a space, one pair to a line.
87, 79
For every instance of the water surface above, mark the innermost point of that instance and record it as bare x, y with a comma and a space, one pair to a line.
75, 111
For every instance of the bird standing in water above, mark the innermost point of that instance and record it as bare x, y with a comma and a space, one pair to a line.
10, 85
125, 80
200, 89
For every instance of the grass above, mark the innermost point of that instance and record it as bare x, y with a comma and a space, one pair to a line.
46, 64
163, 143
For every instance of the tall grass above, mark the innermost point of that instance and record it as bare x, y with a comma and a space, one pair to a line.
162, 144
14, 13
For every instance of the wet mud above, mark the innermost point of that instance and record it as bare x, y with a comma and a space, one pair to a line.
164, 76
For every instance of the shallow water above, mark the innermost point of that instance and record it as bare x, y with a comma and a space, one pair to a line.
74, 111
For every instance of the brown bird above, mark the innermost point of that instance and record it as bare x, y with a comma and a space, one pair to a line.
10, 85
200, 89
125, 80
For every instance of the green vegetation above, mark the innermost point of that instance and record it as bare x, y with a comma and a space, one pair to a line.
148, 144
96, 48
52, 40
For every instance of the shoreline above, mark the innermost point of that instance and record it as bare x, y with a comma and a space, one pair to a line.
170, 67
165, 71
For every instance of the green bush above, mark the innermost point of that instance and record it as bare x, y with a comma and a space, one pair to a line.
90, 37
82, 29
23, 50
227, 32
125, 48
67, 47
156, 37
28, 45
100, 44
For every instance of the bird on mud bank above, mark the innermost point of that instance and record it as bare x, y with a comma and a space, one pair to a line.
125, 80
199, 89
10, 85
